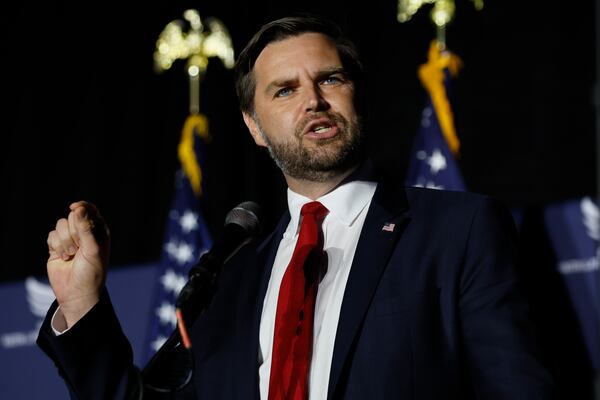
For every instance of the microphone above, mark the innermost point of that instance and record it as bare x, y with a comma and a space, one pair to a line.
242, 225
171, 367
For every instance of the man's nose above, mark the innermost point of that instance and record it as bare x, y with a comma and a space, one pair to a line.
315, 100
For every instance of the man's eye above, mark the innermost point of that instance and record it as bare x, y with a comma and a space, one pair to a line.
283, 92
330, 80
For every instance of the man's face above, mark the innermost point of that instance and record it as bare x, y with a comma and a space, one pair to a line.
304, 108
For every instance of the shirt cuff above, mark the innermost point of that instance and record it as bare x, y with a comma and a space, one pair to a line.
58, 323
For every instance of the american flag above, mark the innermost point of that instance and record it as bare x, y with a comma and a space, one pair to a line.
186, 235
388, 227
432, 163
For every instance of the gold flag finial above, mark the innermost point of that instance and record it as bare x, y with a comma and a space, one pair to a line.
201, 42
442, 13
408, 8
196, 45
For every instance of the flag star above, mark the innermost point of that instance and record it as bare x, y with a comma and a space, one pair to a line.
157, 343
166, 314
425, 117
184, 253
437, 161
173, 281
171, 248
188, 221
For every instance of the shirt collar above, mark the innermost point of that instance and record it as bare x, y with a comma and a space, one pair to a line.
344, 202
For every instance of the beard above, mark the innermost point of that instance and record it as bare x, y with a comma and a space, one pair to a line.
326, 158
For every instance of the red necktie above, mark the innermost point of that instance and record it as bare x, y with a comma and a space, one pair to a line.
292, 341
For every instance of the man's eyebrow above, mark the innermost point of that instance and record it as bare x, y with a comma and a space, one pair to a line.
280, 83
332, 71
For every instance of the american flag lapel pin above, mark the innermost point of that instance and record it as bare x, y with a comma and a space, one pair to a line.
388, 227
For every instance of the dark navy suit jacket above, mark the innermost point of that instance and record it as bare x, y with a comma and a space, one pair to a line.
432, 310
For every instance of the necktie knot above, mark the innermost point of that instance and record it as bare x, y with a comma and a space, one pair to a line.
314, 208
312, 214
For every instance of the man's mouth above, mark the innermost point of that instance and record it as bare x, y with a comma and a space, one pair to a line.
321, 129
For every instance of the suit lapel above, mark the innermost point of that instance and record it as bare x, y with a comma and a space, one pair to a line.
382, 227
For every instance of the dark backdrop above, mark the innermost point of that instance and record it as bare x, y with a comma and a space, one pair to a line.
85, 117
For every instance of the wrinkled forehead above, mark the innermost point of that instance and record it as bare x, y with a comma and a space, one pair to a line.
288, 57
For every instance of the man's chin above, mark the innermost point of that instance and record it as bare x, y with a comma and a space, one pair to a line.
310, 142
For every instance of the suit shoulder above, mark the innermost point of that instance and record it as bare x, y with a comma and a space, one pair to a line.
417, 195
446, 203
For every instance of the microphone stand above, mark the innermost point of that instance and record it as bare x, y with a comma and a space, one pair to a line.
171, 367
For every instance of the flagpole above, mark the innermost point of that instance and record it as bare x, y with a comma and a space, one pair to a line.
186, 235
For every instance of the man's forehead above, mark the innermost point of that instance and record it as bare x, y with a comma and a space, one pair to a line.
305, 48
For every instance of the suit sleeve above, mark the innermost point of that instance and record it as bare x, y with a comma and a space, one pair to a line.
94, 356
498, 336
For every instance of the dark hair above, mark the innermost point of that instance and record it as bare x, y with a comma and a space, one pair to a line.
245, 83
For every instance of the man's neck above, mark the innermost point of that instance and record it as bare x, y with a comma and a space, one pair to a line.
315, 189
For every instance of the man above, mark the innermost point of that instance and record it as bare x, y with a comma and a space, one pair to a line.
418, 298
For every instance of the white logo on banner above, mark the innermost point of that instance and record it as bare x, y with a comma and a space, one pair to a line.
590, 217
39, 296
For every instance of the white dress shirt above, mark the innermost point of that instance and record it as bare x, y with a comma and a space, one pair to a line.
347, 205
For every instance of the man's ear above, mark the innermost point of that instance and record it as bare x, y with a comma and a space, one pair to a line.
253, 128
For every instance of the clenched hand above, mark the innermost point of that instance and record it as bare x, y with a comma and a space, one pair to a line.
79, 248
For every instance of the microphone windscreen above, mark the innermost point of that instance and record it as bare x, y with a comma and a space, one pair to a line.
248, 215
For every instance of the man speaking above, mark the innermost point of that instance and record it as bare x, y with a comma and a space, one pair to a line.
365, 289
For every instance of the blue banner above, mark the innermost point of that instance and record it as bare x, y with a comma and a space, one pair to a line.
573, 230
26, 373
